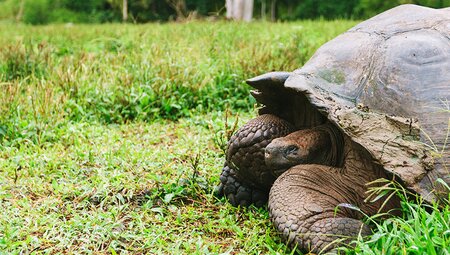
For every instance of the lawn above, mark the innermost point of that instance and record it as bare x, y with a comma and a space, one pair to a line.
112, 138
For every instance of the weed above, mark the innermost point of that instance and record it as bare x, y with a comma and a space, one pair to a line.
221, 137
422, 229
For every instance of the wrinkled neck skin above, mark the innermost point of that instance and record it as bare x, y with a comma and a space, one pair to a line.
335, 154
357, 172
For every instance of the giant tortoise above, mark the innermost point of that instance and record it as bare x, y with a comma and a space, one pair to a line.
371, 104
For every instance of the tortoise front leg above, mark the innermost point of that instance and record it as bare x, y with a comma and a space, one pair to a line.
302, 205
238, 193
245, 178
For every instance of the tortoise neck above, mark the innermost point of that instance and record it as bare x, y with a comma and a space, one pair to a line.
335, 157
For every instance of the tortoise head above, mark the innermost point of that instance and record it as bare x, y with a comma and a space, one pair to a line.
308, 146
319, 145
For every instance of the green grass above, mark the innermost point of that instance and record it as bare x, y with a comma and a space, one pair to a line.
111, 139
423, 228
141, 188
123, 73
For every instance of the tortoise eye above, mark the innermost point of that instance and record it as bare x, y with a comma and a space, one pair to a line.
291, 149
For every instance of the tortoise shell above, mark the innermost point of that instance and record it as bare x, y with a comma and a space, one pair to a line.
386, 84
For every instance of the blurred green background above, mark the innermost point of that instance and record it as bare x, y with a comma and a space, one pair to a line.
139, 11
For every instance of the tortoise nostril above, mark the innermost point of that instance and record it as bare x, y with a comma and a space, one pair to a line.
269, 152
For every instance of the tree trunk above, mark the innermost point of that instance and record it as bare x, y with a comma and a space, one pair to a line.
125, 10
290, 10
248, 10
239, 9
20, 12
263, 9
273, 10
229, 6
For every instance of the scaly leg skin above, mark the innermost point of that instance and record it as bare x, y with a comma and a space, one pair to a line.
237, 193
245, 178
302, 206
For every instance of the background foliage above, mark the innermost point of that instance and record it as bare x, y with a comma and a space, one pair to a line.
95, 11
